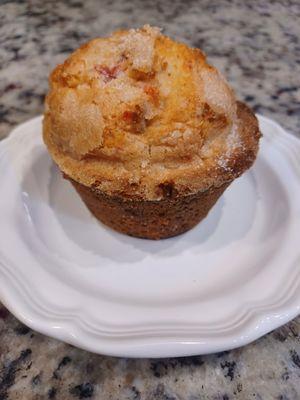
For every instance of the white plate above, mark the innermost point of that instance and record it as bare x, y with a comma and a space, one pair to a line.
228, 281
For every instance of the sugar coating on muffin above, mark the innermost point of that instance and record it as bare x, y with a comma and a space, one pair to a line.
137, 112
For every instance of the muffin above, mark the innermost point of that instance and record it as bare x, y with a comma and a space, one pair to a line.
149, 134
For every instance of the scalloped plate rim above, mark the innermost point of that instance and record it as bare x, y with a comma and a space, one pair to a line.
156, 348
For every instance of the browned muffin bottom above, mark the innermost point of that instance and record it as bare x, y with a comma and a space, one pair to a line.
159, 219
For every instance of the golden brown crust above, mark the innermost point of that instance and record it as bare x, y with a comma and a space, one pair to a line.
184, 180
133, 113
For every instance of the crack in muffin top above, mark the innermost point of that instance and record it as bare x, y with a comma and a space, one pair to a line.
136, 111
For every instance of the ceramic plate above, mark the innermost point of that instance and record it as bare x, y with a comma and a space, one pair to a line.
228, 281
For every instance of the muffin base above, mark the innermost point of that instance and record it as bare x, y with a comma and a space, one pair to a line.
159, 219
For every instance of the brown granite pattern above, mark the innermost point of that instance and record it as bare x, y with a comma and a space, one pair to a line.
256, 44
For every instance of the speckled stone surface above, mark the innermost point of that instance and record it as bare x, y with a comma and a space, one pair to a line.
256, 44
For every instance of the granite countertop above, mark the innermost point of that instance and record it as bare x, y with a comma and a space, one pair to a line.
256, 45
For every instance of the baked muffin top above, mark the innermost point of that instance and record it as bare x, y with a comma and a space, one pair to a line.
140, 115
